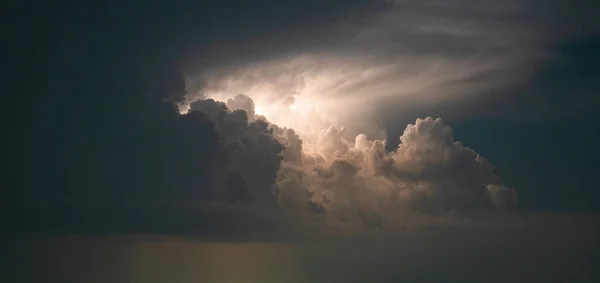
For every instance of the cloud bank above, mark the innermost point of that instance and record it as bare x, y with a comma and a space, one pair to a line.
355, 182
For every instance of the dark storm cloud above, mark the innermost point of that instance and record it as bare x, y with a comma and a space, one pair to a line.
126, 151
112, 153
136, 164
253, 152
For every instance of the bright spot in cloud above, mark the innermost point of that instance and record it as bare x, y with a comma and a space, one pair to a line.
311, 92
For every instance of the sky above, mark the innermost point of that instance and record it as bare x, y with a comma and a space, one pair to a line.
301, 141
222, 118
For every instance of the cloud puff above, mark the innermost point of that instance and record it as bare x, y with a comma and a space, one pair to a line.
253, 155
428, 173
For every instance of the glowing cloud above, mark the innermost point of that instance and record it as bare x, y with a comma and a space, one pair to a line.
351, 182
324, 106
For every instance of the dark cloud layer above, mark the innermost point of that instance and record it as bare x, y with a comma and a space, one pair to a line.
253, 152
124, 149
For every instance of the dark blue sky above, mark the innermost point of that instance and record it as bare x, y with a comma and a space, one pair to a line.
554, 158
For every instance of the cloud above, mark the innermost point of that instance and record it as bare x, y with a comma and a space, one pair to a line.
502, 196
332, 107
398, 54
253, 156
103, 152
342, 182
429, 173
120, 157
127, 154
221, 167
486, 59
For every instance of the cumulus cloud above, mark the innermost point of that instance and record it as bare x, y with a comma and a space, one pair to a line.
428, 173
355, 182
253, 155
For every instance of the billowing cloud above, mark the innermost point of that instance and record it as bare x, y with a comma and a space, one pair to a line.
354, 182
428, 173
253, 155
